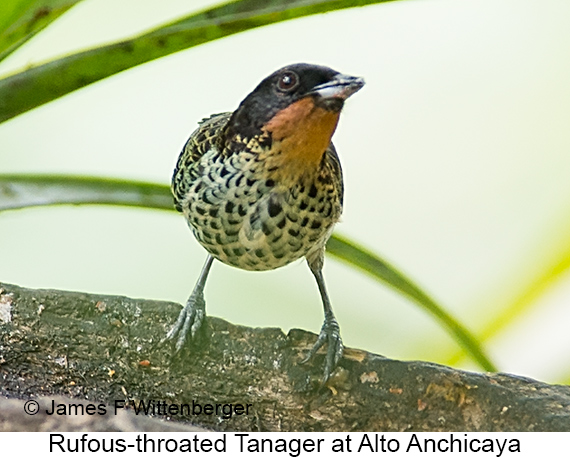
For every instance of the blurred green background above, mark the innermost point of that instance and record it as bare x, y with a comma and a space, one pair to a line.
455, 154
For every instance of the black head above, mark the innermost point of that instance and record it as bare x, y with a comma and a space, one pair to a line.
328, 87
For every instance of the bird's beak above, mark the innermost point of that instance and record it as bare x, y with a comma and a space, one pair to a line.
341, 87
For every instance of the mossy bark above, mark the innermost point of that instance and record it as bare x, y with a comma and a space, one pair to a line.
106, 350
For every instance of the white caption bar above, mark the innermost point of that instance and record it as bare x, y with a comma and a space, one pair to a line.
290, 444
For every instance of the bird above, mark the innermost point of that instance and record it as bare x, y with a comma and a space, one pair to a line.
262, 186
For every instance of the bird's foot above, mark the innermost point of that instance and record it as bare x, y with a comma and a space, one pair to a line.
330, 334
189, 321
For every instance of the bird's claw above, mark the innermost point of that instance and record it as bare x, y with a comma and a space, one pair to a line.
189, 321
330, 334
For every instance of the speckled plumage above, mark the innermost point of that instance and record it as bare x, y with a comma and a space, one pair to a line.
262, 187
245, 215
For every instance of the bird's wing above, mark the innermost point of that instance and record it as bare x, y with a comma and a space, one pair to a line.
203, 140
332, 161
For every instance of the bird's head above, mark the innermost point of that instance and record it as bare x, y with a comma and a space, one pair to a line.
296, 110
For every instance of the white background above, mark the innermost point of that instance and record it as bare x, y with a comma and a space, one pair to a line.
530, 444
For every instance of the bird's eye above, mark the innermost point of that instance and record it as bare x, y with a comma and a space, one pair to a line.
288, 81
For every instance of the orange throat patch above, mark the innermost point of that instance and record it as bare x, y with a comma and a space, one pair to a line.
301, 134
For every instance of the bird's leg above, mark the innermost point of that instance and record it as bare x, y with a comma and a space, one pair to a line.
192, 315
330, 331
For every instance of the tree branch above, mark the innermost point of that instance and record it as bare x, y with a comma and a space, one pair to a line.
107, 350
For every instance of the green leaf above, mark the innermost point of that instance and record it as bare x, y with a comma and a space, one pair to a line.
552, 275
23, 191
38, 85
364, 260
20, 20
